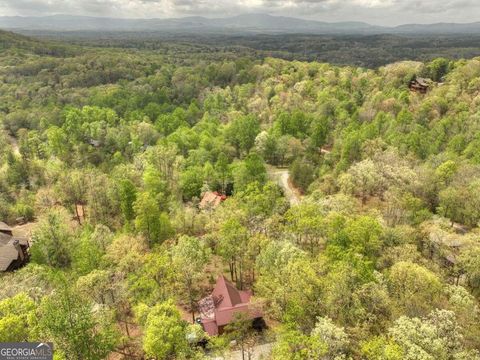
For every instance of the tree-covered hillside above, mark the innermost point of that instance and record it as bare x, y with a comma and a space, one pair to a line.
108, 153
355, 49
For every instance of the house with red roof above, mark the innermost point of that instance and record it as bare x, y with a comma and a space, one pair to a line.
211, 199
219, 309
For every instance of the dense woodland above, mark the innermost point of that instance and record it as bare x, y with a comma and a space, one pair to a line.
370, 51
109, 150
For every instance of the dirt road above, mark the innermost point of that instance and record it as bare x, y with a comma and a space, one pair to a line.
281, 177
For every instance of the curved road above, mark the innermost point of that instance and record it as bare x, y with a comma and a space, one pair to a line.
281, 177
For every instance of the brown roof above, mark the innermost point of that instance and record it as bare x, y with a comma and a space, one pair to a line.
5, 229
211, 200
9, 252
220, 307
423, 81
4, 226
4, 239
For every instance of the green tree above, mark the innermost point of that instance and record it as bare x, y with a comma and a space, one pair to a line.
69, 321
165, 334
380, 348
16, 317
306, 222
191, 181
294, 345
150, 221
52, 240
302, 174
87, 255
437, 69
241, 133
248, 171
73, 187
326, 341
240, 330
223, 170
189, 258
153, 281
365, 236
436, 336
288, 279
415, 288
128, 196
232, 246
470, 264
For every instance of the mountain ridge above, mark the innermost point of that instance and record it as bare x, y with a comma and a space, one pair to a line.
244, 23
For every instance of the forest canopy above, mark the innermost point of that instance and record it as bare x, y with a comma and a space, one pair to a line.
368, 249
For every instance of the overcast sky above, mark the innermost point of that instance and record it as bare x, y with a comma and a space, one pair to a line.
382, 12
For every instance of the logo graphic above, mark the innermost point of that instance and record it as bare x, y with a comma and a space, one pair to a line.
26, 351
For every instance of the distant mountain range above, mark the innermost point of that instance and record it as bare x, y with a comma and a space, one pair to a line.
247, 23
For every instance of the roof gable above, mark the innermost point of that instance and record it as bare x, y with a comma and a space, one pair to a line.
219, 308
225, 294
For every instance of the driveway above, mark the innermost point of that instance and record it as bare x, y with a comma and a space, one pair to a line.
281, 177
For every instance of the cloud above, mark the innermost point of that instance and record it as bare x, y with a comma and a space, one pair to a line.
387, 12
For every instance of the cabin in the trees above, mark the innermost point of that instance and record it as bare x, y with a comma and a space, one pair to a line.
220, 308
13, 251
420, 85
211, 200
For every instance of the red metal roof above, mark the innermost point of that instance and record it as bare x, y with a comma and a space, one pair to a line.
211, 200
226, 300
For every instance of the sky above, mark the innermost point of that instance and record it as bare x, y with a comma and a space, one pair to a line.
378, 12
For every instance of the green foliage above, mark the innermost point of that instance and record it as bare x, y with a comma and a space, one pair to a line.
435, 337
90, 249
52, 240
111, 150
68, 320
165, 332
461, 203
251, 170
380, 348
414, 288
295, 124
241, 133
16, 313
150, 221
128, 196
470, 261
326, 341
302, 174
192, 182
189, 258
438, 68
